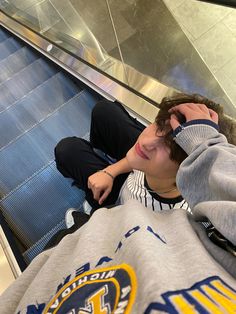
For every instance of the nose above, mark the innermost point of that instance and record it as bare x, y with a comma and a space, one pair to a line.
149, 143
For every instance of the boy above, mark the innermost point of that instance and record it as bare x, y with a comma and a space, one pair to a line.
153, 262
147, 158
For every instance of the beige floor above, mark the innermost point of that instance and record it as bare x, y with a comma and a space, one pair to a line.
212, 31
9, 269
6, 274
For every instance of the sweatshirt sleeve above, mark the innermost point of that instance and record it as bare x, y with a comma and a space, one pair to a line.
207, 177
209, 172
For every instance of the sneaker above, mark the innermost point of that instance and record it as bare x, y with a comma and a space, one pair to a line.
86, 207
69, 219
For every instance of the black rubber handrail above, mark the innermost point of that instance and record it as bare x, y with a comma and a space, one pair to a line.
227, 3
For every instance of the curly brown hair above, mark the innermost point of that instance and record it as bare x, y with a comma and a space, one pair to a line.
227, 125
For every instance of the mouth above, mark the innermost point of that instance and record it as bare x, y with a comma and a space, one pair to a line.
139, 152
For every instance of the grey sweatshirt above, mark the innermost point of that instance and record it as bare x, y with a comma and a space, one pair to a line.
129, 259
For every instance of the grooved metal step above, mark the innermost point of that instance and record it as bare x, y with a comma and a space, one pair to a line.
25, 81
3, 35
16, 62
39, 205
32, 151
8, 46
35, 107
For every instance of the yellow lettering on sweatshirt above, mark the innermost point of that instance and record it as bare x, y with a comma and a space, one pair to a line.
182, 305
96, 302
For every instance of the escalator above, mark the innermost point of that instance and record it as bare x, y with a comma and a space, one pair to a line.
39, 105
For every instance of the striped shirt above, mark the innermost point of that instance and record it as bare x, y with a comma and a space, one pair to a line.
136, 187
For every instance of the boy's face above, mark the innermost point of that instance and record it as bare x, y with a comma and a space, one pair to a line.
151, 155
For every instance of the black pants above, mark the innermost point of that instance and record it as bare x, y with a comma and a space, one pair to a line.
114, 132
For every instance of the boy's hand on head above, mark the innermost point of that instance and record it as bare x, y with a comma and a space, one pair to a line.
191, 111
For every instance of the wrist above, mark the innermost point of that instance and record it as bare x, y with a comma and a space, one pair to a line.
191, 136
121, 166
111, 169
107, 173
195, 122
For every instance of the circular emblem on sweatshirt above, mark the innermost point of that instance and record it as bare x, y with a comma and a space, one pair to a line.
101, 291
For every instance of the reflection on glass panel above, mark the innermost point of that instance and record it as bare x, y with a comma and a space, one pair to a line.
22, 4
211, 29
45, 14
95, 15
17, 9
88, 22
83, 28
185, 44
156, 45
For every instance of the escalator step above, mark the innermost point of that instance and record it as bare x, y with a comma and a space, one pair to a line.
72, 119
38, 246
29, 153
9, 46
40, 204
3, 34
19, 161
16, 62
6, 97
35, 107
25, 81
